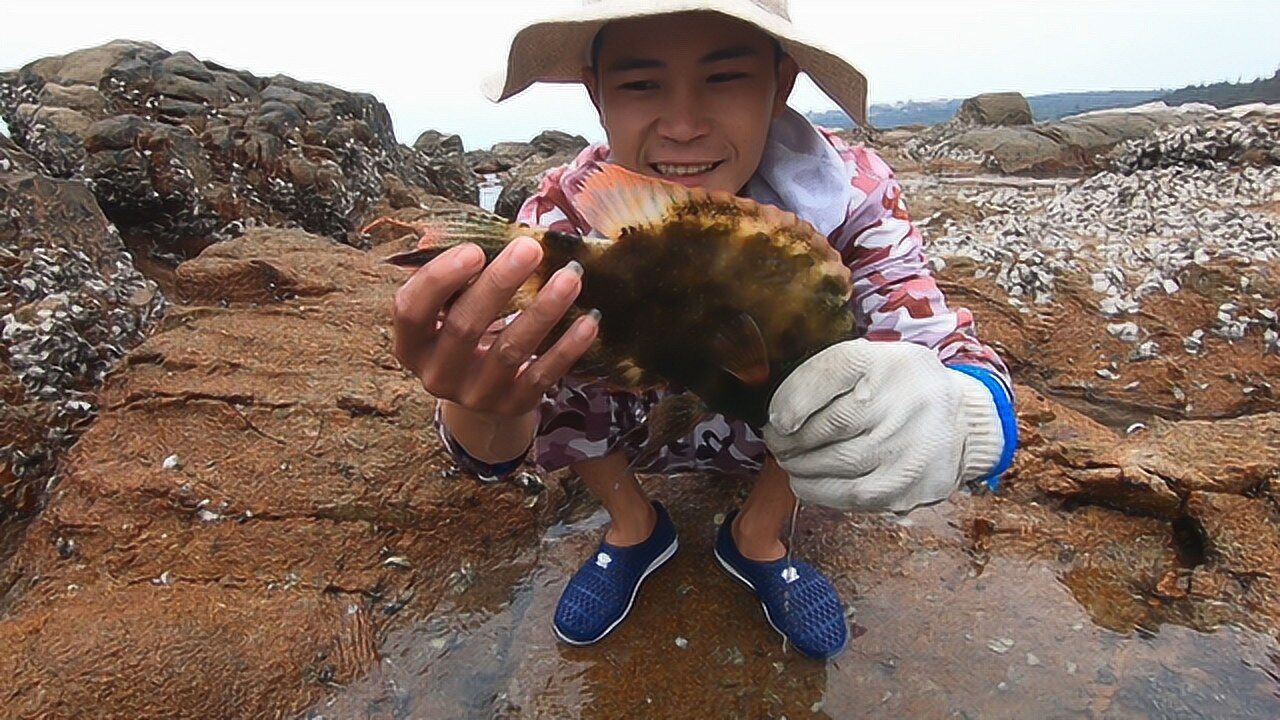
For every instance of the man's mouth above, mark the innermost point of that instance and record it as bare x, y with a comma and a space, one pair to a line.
684, 169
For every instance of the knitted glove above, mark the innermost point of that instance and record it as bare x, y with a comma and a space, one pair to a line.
877, 426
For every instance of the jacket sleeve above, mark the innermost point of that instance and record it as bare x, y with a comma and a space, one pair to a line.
895, 296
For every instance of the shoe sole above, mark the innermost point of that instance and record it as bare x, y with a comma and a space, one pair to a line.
657, 563
729, 569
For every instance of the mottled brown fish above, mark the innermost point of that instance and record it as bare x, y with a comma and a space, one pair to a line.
708, 291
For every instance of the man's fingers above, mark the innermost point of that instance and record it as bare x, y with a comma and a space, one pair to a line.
420, 299
476, 308
542, 374
519, 340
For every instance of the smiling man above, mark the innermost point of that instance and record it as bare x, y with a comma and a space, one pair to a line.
890, 421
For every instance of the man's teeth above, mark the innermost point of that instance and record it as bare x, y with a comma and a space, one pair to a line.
683, 169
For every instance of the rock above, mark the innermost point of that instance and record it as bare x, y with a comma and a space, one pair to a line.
523, 164
519, 182
510, 154
71, 304
435, 141
1218, 145
311, 512
555, 142
155, 637
184, 152
1242, 534
448, 165
1004, 109
1072, 146
484, 162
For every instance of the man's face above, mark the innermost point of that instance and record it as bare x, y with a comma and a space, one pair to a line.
689, 98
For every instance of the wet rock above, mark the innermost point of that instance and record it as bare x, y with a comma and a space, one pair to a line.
1241, 569
71, 304
177, 149
190, 650
291, 534
1154, 471
1242, 533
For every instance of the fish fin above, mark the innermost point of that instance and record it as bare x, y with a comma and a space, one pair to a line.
740, 350
674, 417
613, 198
491, 232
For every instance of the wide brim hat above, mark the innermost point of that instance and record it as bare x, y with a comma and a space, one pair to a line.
556, 49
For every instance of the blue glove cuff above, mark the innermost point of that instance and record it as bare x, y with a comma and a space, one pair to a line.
1004, 410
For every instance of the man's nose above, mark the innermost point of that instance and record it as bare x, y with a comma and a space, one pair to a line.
683, 118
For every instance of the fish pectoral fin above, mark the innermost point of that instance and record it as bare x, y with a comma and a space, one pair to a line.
674, 417
740, 350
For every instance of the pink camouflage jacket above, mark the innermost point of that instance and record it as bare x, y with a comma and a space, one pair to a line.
849, 194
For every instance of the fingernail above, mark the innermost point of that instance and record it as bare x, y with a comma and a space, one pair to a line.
574, 267
585, 329
522, 252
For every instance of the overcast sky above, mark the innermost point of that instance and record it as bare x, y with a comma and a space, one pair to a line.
425, 58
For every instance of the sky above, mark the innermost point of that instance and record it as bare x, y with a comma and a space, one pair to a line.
425, 59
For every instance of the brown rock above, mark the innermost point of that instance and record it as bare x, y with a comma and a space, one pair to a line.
191, 650
1007, 108
1242, 534
262, 499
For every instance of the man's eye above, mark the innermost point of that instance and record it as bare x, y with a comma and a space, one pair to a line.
726, 77
639, 85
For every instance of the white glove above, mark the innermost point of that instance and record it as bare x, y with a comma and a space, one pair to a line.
877, 426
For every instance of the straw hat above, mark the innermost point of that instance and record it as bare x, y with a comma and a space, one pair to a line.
555, 50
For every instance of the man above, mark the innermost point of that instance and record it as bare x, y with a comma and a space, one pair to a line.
891, 421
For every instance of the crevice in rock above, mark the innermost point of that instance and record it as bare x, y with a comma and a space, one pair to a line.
1189, 542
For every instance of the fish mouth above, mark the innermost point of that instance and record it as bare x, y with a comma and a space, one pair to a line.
684, 170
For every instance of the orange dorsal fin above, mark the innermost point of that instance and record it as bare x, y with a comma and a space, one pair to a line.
614, 198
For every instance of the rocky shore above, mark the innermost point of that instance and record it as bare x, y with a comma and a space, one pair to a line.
221, 496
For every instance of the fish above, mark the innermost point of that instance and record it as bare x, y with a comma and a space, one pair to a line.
705, 292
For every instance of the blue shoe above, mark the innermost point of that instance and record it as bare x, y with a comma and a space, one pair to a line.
599, 596
798, 601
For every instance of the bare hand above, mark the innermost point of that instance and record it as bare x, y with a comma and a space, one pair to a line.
448, 348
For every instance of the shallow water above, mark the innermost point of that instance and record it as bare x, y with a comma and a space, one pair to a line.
939, 632
490, 189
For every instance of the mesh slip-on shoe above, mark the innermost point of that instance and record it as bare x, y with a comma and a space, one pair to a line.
599, 596
798, 601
